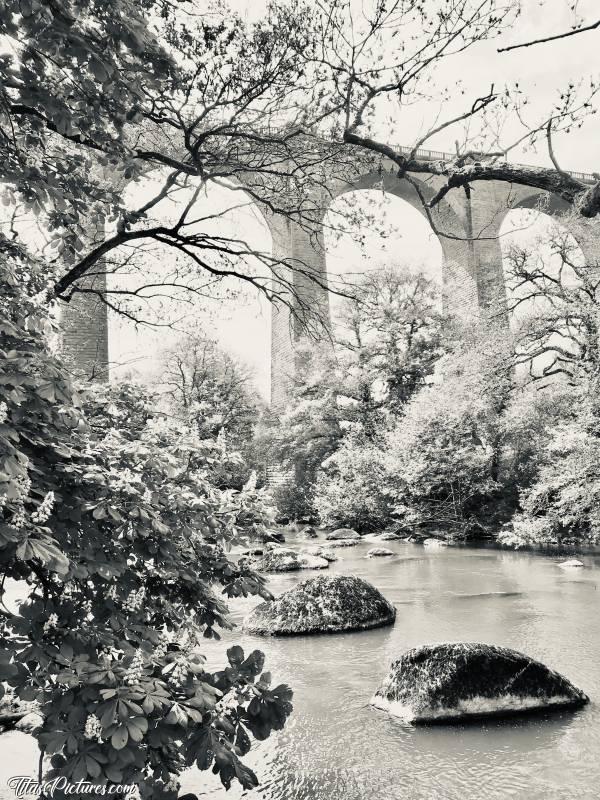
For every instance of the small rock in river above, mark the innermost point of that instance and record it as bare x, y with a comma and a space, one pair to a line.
343, 533
374, 552
572, 563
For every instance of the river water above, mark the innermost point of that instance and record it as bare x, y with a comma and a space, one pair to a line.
335, 747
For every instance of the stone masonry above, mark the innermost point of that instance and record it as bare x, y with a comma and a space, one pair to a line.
467, 228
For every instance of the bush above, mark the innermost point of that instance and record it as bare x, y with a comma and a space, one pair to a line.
294, 502
351, 488
110, 514
563, 504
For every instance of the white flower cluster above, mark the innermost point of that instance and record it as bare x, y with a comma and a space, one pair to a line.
147, 496
24, 486
179, 673
93, 728
160, 650
3, 499
111, 594
172, 785
135, 600
135, 670
51, 623
44, 509
18, 519
3, 412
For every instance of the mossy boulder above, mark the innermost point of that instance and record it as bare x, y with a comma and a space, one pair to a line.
283, 559
325, 604
449, 682
310, 532
343, 533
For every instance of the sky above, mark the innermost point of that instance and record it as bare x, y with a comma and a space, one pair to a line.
242, 324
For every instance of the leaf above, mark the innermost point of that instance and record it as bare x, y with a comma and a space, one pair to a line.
119, 738
242, 741
113, 773
176, 715
46, 550
235, 655
93, 767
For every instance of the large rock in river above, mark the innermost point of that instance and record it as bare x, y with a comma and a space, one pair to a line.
283, 559
325, 604
343, 533
445, 682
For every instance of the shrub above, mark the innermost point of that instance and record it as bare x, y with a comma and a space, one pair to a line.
110, 514
351, 488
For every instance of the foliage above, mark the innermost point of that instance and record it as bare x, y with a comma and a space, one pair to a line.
96, 96
444, 454
561, 505
110, 515
214, 393
389, 338
351, 486
294, 500
455, 457
554, 302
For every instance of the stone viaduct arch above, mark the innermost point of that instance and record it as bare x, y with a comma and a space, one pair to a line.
467, 228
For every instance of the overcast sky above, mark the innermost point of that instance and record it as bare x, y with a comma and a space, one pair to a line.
243, 324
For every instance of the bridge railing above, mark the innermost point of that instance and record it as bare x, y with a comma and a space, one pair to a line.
440, 155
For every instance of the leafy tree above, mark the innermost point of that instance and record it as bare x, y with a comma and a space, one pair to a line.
561, 506
97, 95
402, 62
110, 516
445, 452
391, 335
351, 487
554, 301
215, 393
387, 341
554, 296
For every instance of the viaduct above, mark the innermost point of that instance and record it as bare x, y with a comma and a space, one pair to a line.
467, 229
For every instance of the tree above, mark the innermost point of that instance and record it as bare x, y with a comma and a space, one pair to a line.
110, 516
444, 453
554, 299
380, 63
554, 296
561, 505
214, 393
392, 330
96, 96
386, 344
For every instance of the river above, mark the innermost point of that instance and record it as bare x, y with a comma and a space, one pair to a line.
335, 747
